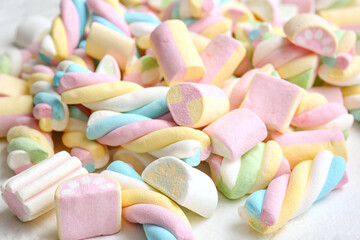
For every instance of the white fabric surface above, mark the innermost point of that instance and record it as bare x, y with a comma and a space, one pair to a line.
335, 217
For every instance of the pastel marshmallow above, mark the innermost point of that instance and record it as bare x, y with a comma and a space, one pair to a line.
273, 100
235, 133
290, 195
221, 57
304, 145
102, 41
88, 206
12, 86
171, 39
193, 188
251, 172
30, 194
311, 32
196, 105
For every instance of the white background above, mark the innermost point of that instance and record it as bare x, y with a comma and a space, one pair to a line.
337, 216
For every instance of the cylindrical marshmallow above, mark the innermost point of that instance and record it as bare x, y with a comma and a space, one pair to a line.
171, 40
196, 105
102, 41
221, 57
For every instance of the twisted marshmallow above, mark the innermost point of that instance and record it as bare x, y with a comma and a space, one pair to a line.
252, 172
292, 194
66, 31
141, 204
108, 13
144, 135
92, 154
149, 102
315, 112
27, 144
51, 112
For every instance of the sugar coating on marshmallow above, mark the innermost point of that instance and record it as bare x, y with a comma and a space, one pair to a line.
273, 100
88, 206
235, 133
187, 186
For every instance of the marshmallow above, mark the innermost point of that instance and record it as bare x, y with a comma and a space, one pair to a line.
108, 14
149, 102
221, 57
141, 24
145, 72
196, 105
314, 112
236, 88
88, 206
236, 11
337, 16
172, 40
131, 180
138, 161
66, 31
125, 175
266, 11
109, 66
293, 63
311, 32
12, 87
235, 133
13, 108
151, 208
251, 172
78, 87
304, 145
290, 195
141, 134
273, 100
332, 94
27, 146
102, 41
341, 77
250, 34
352, 100
51, 112
211, 26
13, 59
89, 152
93, 155
31, 193
194, 189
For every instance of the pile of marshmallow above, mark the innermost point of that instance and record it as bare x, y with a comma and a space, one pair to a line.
264, 91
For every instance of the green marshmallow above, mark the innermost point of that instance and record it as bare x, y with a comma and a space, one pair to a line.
36, 152
250, 166
303, 79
